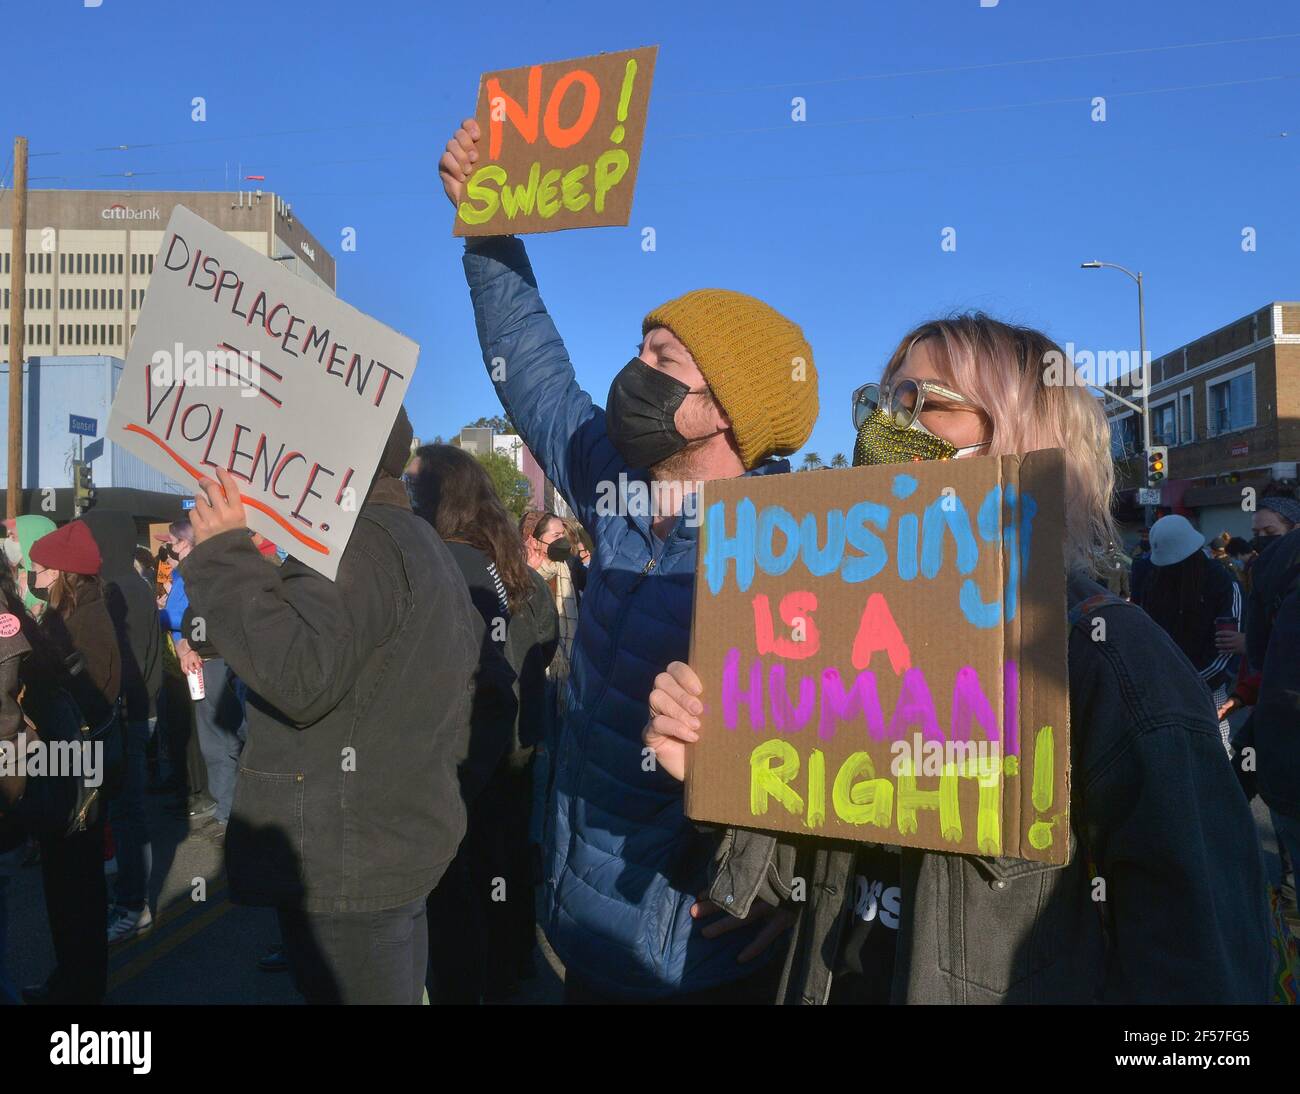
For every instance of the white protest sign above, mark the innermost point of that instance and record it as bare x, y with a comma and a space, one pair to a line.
237, 363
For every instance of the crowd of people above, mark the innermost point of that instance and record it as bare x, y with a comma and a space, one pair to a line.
480, 727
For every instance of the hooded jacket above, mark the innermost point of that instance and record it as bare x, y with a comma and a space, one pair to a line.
28, 530
131, 606
623, 864
358, 711
1273, 641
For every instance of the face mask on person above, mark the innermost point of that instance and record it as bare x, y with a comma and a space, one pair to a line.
639, 414
880, 440
1258, 543
42, 595
559, 550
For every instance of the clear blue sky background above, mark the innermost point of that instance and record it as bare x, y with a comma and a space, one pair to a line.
835, 221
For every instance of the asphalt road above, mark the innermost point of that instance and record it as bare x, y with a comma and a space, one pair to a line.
206, 951
199, 950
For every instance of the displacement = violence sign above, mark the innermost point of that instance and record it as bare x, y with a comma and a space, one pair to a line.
237, 363
883, 652
562, 144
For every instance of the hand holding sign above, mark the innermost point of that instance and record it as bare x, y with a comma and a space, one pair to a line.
673, 722
459, 159
218, 507
562, 150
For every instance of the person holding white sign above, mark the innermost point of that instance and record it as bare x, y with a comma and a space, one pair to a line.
347, 808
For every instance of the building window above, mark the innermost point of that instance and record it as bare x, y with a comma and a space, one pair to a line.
1124, 437
1231, 401
151, 264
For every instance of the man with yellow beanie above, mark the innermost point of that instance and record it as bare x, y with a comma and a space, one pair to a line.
722, 384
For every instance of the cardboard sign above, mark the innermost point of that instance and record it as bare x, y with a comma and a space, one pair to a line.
159, 534
883, 652
237, 363
562, 143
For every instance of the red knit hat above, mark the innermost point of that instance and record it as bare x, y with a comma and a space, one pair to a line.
71, 548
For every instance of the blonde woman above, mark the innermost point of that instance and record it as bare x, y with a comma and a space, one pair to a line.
1155, 810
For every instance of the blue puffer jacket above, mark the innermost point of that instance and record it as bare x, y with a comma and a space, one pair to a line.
623, 863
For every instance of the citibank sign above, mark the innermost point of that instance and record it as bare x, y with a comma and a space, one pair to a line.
121, 212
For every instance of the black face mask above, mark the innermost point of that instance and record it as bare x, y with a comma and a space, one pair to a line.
639, 414
559, 550
40, 594
1258, 543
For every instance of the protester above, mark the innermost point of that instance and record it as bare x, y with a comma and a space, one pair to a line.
481, 917
1194, 599
14, 646
722, 382
207, 733
1273, 643
1240, 555
74, 616
130, 602
347, 809
28, 529
1143, 742
579, 558
1276, 514
547, 550
1142, 569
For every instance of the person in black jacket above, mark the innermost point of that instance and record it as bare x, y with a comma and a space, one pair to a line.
481, 915
77, 623
1273, 641
130, 602
347, 808
1194, 598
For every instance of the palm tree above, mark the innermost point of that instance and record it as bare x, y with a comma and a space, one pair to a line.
838, 460
811, 461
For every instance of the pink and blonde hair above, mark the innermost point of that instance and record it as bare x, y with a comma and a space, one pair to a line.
1001, 369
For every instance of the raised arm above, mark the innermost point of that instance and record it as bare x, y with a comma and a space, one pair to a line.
525, 356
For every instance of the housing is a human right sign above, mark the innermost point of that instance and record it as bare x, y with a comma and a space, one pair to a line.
883, 652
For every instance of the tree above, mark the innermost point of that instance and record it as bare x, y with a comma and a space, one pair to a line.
515, 491
838, 460
498, 424
811, 461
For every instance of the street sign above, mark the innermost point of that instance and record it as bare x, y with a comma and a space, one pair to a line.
82, 427
187, 503
93, 451
1149, 495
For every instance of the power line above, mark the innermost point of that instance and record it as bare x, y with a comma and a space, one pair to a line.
984, 67
370, 125
912, 115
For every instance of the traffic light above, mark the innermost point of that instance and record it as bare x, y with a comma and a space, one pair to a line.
84, 492
1157, 464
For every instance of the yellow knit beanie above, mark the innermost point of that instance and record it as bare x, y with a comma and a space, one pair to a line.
757, 363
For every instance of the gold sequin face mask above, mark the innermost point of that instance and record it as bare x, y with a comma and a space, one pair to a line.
881, 441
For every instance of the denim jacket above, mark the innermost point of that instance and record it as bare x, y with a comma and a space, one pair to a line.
1155, 810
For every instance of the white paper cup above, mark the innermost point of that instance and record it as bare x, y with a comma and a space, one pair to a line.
195, 680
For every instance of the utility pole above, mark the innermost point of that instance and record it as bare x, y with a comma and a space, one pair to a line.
17, 318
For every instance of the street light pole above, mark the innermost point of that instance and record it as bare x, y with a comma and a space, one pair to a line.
1148, 510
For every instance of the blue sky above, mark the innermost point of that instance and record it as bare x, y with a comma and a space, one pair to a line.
920, 116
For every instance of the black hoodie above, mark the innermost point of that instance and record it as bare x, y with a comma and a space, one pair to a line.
131, 605
1273, 642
